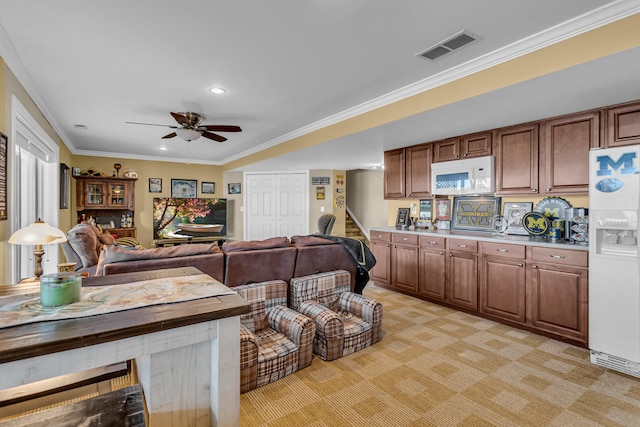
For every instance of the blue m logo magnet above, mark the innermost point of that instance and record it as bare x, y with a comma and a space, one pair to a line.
625, 164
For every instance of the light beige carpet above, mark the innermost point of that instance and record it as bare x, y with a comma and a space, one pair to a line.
439, 367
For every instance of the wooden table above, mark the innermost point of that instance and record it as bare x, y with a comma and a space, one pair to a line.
187, 353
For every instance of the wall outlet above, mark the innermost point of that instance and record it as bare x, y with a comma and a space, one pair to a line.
413, 209
321, 208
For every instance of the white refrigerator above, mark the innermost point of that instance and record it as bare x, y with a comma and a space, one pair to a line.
614, 266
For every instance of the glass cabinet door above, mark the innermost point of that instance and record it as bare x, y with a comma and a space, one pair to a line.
117, 194
96, 194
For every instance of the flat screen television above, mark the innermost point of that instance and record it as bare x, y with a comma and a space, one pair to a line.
193, 217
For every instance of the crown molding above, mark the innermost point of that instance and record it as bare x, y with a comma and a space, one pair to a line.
93, 153
596, 18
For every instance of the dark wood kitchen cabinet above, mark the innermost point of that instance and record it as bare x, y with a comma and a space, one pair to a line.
418, 170
394, 173
557, 292
404, 262
464, 147
407, 172
432, 280
462, 273
516, 165
564, 152
502, 281
623, 125
381, 249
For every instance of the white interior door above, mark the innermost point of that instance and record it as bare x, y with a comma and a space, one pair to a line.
260, 206
276, 205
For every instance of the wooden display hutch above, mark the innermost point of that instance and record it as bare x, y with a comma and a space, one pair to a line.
106, 199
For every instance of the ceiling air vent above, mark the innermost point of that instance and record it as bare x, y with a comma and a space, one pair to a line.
454, 42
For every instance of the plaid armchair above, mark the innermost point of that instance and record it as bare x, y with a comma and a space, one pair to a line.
275, 340
345, 322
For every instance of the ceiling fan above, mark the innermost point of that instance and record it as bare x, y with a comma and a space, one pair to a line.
190, 128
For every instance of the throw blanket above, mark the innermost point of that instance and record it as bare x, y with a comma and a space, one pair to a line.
361, 255
22, 309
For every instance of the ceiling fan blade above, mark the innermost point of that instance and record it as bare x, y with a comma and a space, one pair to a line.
152, 124
181, 119
221, 128
214, 136
171, 135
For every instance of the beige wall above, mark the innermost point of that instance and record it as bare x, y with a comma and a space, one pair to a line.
366, 197
146, 169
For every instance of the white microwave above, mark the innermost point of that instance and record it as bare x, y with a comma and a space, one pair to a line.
460, 177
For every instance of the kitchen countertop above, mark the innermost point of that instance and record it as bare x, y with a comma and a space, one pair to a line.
488, 237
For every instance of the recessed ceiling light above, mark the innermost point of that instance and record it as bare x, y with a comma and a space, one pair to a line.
163, 148
217, 90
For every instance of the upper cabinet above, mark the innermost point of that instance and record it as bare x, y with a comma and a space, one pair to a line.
394, 167
623, 125
516, 166
464, 147
104, 193
564, 152
407, 172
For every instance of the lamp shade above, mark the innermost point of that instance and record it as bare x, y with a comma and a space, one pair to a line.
38, 233
188, 134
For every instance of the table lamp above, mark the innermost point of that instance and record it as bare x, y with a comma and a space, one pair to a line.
39, 233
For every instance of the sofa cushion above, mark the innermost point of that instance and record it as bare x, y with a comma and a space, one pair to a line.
114, 253
311, 241
274, 242
84, 239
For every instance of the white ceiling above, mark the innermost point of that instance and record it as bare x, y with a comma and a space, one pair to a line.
289, 67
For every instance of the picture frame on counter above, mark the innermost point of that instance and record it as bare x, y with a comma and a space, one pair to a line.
474, 213
403, 219
426, 209
514, 212
443, 209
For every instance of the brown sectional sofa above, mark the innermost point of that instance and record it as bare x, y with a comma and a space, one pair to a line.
237, 263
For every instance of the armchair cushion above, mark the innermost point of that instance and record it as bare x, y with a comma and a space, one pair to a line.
84, 240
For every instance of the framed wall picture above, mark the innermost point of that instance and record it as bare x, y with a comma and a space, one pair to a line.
474, 213
403, 219
75, 171
513, 213
184, 188
155, 185
3, 176
443, 209
208, 187
65, 180
234, 188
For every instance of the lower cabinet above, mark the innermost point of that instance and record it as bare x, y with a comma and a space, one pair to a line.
404, 262
502, 281
462, 273
558, 300
541, 288
381, 249
432, 265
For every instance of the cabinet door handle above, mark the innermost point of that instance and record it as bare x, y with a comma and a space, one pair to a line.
557, 256
466, 154
534, 190
502, 250
462, 246
405, 239
432, 243
520, 265
451, 255
441, 253
548, 189
535, 267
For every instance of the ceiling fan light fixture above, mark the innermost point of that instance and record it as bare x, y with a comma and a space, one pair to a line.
188, 134
217, 90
